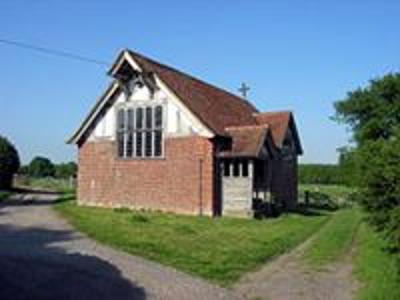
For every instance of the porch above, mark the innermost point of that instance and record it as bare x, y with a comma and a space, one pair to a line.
246, 187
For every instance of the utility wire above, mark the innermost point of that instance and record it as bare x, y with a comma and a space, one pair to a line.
53, 52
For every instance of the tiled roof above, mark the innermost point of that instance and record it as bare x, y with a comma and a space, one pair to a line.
223, 112
278, 122
215, 107
247, 141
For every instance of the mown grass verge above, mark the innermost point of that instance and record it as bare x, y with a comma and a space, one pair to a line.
219, 250
334, 239
375, 268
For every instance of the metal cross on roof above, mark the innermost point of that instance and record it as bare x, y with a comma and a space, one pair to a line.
244, 88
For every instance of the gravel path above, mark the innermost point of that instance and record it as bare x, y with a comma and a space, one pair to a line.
288, 278
42, 257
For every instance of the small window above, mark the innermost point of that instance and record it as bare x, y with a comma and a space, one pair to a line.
149, 117
236, 167
120, 139
121, 120
139, 144
139, 118
149, 144
129, 144
158, 117
121, 132
158, 143
227, 168
245, 169
131, 119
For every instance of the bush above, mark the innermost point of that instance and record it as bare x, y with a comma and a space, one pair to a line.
393, 229
379, 162
9, 163
41, 167
66, 170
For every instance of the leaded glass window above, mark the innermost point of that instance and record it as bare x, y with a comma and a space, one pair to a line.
140, 132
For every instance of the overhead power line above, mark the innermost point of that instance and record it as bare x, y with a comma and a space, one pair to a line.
54, 52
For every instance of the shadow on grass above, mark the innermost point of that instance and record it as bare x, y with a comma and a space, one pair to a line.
36, 198
33, 191
65, 198
45, 270
310, 211
267, 210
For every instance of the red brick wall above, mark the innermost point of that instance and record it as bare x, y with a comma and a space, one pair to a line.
170, 184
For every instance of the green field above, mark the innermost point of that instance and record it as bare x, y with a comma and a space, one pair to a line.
220, 249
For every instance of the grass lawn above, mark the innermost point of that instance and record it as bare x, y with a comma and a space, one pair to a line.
219, 250
334, 239
375, 268
4, 195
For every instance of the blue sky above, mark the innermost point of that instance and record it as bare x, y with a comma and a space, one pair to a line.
297, 55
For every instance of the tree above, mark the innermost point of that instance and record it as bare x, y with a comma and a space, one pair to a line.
41, 167
23, 170
373, 115
66, 170
9, 163
372, 112
348, 166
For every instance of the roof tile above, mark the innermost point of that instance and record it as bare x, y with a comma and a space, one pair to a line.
278, 123
215, 107
247, 141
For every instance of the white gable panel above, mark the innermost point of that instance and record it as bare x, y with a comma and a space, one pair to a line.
105, 126
178, 123
109, 123
141, 94
177, 120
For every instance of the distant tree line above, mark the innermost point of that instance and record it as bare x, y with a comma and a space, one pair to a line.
321, 174
41, 167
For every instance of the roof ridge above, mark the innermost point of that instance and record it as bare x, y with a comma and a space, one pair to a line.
273, 112
245, 127
247, 102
